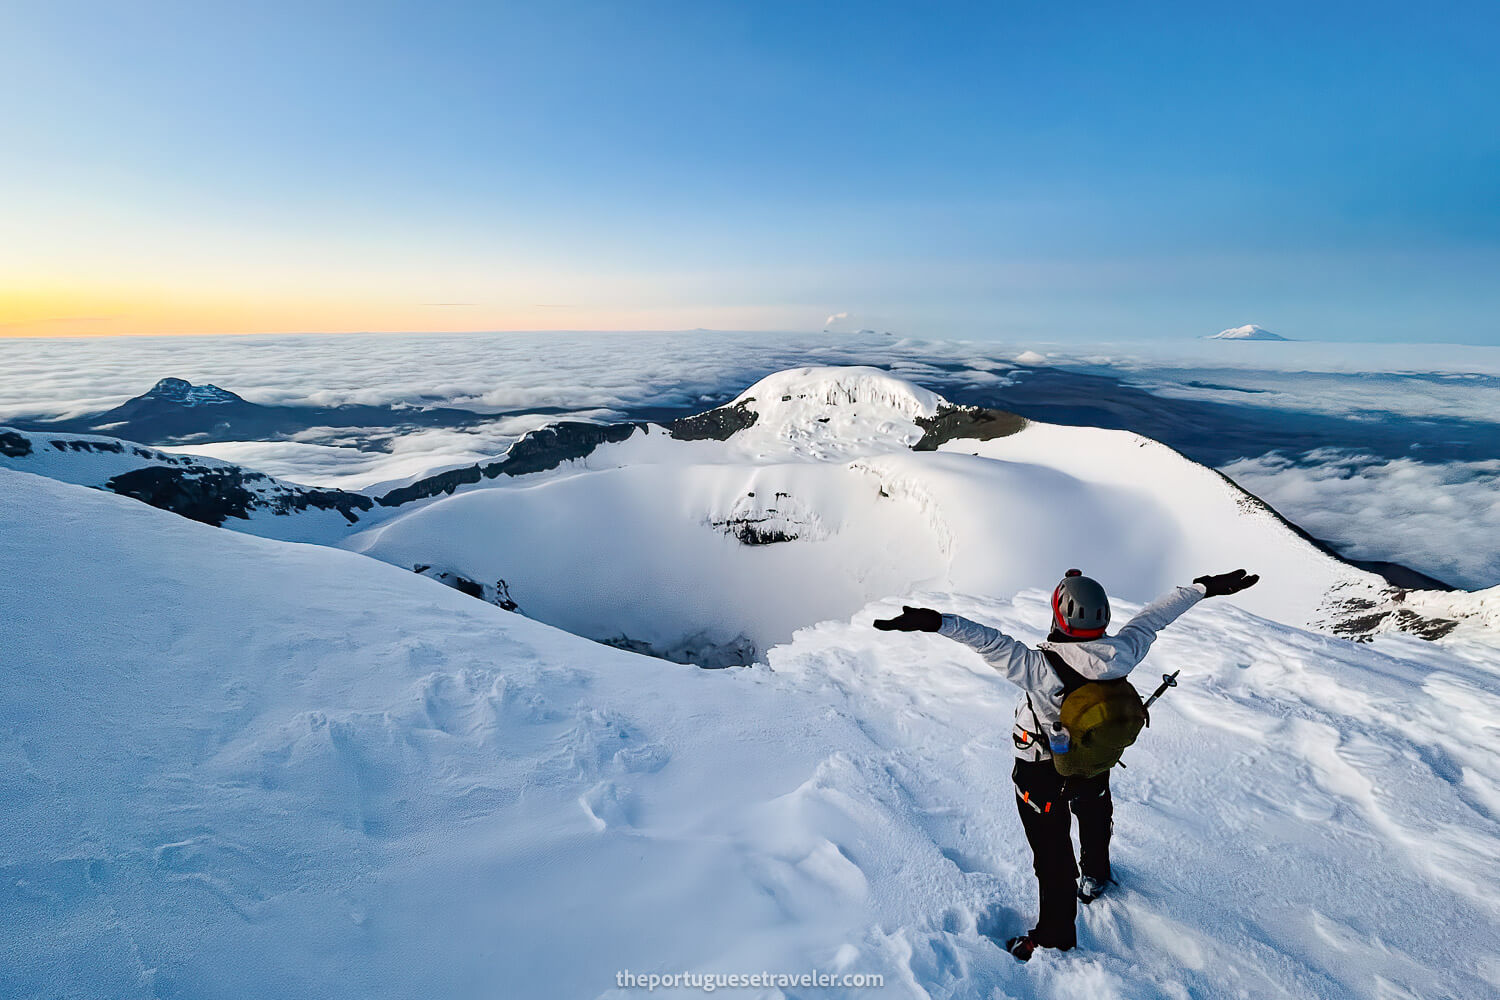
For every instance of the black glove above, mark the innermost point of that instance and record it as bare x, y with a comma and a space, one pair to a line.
912, 620
1227, 583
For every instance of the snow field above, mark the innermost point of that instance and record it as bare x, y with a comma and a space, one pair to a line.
236, 766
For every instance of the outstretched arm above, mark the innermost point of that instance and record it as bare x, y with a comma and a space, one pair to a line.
1136, 637
1139, 633
1021, 665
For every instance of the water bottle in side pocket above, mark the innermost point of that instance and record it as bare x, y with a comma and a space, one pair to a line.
1058, 739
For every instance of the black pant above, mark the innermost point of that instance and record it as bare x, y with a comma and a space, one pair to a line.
1048, 802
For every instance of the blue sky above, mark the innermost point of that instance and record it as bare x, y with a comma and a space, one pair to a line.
1328, 171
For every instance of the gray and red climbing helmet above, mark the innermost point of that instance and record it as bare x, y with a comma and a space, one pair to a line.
1080, 608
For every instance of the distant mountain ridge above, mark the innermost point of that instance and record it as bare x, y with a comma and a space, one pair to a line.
175, 411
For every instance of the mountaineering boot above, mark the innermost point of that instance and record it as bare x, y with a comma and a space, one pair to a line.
1021, 947
1090, 889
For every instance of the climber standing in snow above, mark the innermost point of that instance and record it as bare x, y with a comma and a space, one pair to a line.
1076, 715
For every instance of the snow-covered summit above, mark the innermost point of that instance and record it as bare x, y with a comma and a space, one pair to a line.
184, 393
874, 392
1247, 332
835, 412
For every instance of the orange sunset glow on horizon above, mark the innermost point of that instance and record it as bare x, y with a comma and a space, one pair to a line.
120, 314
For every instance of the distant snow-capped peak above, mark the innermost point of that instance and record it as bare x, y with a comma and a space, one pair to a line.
1249, 331
184, 393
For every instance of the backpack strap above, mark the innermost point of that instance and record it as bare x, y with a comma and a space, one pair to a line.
1072, 680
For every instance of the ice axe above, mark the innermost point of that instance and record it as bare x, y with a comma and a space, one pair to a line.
1167, 681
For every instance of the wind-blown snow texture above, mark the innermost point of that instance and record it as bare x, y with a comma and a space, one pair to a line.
234, 766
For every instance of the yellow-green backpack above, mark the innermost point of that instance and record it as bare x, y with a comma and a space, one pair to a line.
1102, 719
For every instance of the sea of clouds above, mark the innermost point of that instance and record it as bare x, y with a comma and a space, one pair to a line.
496, 372
1439, 517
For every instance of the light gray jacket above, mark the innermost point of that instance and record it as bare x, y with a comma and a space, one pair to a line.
1100, 659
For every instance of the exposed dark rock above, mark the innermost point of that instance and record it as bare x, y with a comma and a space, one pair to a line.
443, 482
76, 444
1427, 628
464, 585
551, 446
974, 423
757, 530
502, 598
537, 451
1360, 626
497, 593
630, 645
13, 445
212, 494
717, 424
207, 495
1361, 618
306, 499
753, 524
697, 650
